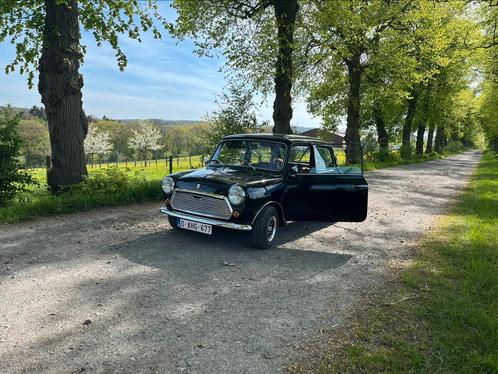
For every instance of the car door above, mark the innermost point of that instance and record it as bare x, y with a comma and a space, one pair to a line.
329, 191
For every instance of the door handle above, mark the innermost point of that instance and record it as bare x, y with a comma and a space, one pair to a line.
360, 186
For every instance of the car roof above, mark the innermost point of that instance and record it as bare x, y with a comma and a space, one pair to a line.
287, 138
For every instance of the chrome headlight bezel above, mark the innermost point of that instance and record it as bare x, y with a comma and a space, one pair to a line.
236, 195
168, 185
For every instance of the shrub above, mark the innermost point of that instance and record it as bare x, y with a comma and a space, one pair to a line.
454, 147
12, 178
110, 180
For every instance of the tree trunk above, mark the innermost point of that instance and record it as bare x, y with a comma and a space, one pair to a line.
438, 142
60, 87
496, 144
353, 155
430, 139
419, 148
285, 15
406, 146
382, 135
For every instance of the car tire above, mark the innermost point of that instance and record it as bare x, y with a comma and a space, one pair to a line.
172, 222
265, 227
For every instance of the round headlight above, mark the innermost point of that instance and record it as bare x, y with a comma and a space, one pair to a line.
168, 185
236, 195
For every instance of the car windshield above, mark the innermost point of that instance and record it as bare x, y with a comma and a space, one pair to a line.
254, 154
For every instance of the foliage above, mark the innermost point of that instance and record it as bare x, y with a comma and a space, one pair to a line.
236, 115
488, 113
247, 41
97, 142
22, 24
38, 112
12, 178
110, 180
393, 53
261, 41
35, 144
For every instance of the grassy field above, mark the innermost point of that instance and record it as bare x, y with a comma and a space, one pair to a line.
445, 319
155, 170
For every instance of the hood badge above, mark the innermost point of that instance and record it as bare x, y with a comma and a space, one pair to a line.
198, 186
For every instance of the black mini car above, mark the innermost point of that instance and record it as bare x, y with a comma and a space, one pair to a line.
257, 182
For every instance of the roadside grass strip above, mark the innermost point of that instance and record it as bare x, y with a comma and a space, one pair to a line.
439, 314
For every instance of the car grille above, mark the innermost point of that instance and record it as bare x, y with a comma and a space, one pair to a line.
203, 205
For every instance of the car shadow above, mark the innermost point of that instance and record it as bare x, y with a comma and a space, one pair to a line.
194, 256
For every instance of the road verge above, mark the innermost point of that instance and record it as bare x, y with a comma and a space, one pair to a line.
438, 313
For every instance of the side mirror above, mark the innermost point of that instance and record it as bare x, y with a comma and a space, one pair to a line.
205, 160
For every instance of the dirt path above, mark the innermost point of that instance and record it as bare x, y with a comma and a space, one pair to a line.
164, 301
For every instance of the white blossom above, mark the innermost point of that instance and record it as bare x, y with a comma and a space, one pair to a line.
145, 138
97, 142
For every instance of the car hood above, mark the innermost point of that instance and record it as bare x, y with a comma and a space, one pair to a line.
220, 179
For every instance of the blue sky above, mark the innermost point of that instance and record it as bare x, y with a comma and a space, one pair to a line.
163, 79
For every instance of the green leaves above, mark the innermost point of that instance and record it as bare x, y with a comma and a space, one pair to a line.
22, 22
12, 178
236, 114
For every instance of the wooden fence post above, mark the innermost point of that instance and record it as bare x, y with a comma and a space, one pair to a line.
171, 164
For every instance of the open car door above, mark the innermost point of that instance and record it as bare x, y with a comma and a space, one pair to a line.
333, 188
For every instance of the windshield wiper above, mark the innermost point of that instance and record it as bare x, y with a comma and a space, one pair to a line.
245, 163
218, 161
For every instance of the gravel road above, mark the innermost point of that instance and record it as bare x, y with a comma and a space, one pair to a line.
157, 300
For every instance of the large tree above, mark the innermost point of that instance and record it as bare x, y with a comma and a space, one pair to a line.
47, 38
257, 37
347, 35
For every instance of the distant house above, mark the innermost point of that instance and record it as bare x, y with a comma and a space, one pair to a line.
329, 136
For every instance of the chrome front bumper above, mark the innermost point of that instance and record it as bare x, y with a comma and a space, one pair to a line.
206, 220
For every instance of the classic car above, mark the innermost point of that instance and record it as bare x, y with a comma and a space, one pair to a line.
258, 182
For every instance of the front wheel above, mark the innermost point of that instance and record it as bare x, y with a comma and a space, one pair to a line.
264, 230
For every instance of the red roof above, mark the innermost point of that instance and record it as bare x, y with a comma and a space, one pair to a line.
317, 133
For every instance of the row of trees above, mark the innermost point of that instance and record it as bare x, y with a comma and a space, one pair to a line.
399, 66
142, 140
114, 141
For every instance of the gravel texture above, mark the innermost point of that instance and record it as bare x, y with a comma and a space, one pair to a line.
117, 290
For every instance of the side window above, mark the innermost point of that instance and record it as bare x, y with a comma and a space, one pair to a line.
323, 159
300, 156
328, 161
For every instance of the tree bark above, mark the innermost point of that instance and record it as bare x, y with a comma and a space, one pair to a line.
406, 147
353, 154
438, 142
60, 87
430, 139
285, 15
419, 148
382, 135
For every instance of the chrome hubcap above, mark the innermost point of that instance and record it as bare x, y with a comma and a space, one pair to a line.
271, 229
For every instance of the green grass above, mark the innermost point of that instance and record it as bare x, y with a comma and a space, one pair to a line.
136, 184
444, 318
397, 161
